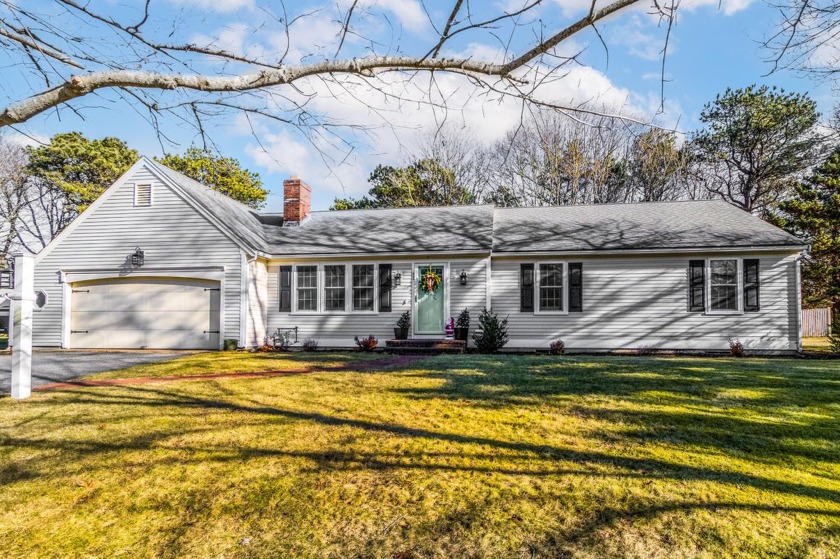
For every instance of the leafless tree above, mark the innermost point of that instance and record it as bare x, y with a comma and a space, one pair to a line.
44, 214
554, 160
13, 199
456, 149
77, 55
807, 37
657, 168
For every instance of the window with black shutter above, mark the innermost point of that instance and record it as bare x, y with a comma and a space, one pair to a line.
285, 289
384, 288
575, 287
526, 287
751, 289
696, 286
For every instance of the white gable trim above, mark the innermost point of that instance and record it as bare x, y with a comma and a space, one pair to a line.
90, 210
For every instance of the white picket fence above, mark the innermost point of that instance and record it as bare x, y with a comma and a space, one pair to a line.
815, 322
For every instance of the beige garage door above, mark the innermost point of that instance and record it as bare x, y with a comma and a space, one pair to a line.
154, 313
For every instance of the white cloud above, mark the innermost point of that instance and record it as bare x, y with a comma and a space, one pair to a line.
409, 13
26, 140
640, 38
223, 6
728, 7
230, 38
398, 111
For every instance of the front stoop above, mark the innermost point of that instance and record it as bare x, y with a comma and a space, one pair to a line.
417, 346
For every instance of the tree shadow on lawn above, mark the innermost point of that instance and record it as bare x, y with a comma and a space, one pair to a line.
697, 386
593, 462
764, 408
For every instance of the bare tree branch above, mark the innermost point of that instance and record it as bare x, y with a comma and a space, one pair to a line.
35, 45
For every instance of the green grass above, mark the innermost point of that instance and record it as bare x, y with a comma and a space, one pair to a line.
240, 362
458, 456
816, 344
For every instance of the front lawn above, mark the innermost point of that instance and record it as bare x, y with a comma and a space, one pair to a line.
456, 456
206, 363
816, 344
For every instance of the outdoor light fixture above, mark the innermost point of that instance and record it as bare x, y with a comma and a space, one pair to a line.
463, 277
397, 279
138, 258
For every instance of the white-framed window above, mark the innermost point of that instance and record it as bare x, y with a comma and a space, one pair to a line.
364, 287
142, 194
306, 288
548, 287
724, 281
335, 287
551, 293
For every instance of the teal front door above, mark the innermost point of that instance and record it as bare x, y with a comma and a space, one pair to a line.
429, 304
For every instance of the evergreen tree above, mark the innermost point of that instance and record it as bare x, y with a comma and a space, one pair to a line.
813, 213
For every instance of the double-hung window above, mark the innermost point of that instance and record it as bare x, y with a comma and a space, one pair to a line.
724, 285
335, 288
363, 287
307, 288
551, 288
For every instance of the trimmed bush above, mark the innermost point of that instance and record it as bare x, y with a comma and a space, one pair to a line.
557, 347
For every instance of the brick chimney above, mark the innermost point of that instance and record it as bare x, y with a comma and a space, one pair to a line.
296, 200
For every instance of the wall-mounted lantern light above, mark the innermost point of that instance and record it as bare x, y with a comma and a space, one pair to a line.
463, 277
397, 279
138, 258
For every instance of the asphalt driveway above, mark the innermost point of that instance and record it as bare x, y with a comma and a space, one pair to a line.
55, 365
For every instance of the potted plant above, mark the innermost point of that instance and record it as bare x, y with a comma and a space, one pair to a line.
462, 325
403, 325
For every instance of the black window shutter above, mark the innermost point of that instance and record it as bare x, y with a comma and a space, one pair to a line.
575, 287
526, 287
696, 285
285, 289
751, 290
384, 288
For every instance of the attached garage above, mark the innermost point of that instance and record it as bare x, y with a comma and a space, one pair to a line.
154, 313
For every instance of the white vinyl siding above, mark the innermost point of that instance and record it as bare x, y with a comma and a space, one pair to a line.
337, 329
636, 302
171, 233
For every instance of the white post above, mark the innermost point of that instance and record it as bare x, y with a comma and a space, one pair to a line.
22, 301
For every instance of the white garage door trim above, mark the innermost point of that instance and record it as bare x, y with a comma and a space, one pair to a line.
146, 313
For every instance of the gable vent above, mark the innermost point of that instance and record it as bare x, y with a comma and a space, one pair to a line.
142, 195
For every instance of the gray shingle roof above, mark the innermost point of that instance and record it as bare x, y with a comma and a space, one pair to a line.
649, 226
242, 221
449, 229
660, 225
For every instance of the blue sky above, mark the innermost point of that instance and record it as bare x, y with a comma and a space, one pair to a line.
712, 47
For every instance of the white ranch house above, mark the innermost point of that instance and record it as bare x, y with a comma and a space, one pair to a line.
680, 275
